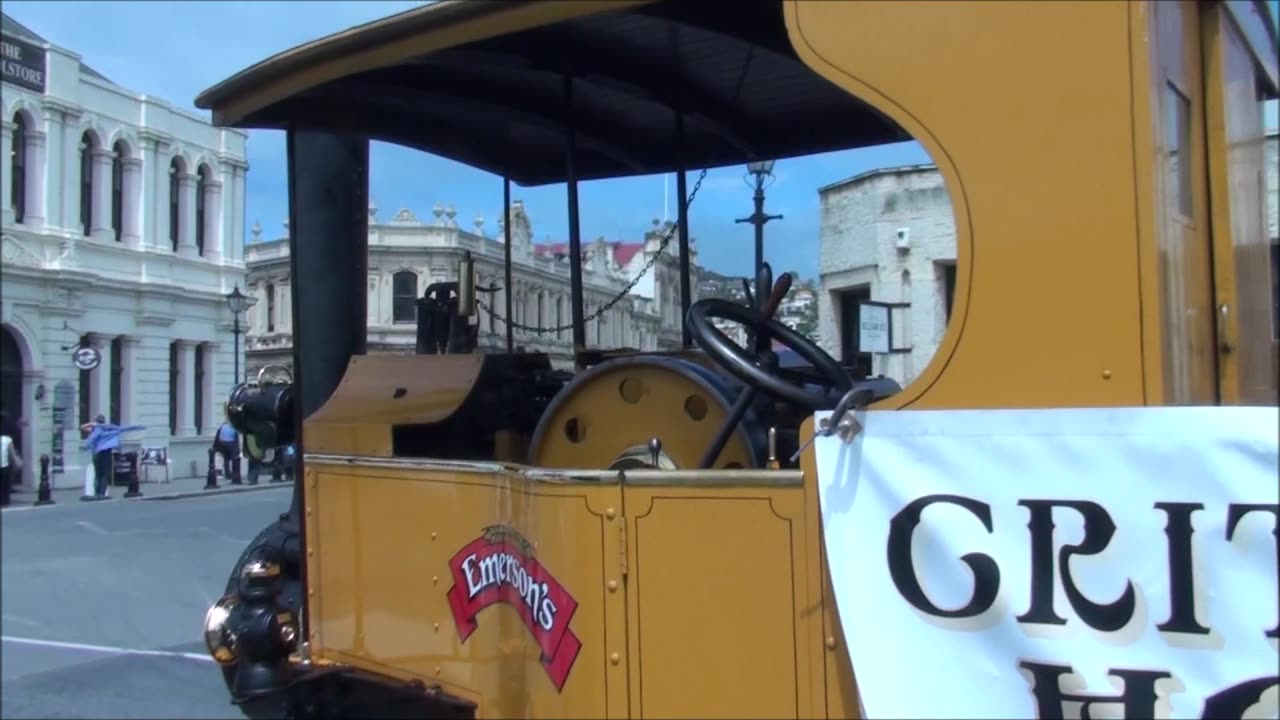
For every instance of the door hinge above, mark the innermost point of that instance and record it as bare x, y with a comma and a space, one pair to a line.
622, 549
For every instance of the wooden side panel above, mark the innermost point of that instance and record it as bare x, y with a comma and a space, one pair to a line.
384, 556
1238, 191
723, 622
1189, 346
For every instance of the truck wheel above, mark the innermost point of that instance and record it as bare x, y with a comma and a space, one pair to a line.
289, 597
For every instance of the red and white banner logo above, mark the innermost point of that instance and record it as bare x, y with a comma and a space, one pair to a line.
499, 566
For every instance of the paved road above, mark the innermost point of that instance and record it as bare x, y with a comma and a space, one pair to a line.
82, 583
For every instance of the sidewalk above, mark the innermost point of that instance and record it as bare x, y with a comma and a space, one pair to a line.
175, 489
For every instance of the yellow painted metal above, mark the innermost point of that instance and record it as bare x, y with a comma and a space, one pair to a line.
623, 406
380, 543
1083, 281
379, 390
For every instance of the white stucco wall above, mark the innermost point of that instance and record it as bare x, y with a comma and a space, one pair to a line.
860, 223
136, 287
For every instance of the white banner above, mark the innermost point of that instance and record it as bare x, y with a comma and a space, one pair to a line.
1058, 563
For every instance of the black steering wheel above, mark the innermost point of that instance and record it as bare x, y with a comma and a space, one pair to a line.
760, 373
754, 371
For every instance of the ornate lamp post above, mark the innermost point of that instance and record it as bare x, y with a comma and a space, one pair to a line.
761, 170
238, 302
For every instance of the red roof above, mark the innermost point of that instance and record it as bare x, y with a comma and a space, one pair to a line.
623, 252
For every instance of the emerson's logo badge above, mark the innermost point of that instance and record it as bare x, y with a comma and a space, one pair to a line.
499, 567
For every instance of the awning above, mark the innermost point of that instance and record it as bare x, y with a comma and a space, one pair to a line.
498, 102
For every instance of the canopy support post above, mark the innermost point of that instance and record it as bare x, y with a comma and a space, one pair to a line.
506, 256
575, 237
328, 264
682, 217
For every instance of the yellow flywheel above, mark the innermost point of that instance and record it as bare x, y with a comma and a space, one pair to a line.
607, 416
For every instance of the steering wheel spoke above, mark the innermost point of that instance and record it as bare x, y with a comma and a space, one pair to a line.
751, 369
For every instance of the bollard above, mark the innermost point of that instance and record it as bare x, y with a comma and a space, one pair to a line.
235, 471
133, 490
211, 478
45, 494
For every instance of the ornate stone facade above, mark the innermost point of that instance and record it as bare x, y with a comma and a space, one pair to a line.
406, 255
123, 223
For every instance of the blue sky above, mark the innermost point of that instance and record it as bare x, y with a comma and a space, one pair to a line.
176, 50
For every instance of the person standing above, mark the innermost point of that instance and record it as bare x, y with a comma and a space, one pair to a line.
10, 464
227, 444
103, 440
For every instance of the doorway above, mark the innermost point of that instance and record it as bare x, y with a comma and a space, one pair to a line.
11, 393
851, 355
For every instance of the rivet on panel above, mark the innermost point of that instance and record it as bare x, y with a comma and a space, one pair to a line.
433, 536
613, 586
435, 579
437, 671
615, 658
435, 626
831, 643
311, 553
311, 593
1106, 374
610, 513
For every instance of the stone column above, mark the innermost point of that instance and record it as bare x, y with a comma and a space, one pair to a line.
226, 211
130, 231
209, 387
70, 174
34, 179
6, 182
237, 214
129, 380
51, 209
185, 400
148, 230
213, 236
187, 215
100, 214
284, 307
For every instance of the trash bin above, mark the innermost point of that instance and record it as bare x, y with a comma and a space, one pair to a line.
124, 463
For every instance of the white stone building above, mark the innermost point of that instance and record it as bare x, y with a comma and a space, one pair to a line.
887, 236
123, 223
407, 255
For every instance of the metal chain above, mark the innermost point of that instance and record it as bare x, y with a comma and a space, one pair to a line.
662, 247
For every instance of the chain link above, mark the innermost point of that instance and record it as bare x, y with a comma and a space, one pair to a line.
662, 247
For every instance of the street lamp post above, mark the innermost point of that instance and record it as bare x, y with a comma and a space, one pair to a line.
761, 170
238, 302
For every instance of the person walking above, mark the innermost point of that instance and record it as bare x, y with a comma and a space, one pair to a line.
103, 440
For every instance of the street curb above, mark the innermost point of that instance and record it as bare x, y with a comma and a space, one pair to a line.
210, 493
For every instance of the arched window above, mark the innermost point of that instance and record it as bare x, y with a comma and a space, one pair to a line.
271, 308
18, 168
87, 145
202, 183
404, 296
175, 171
117, 189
